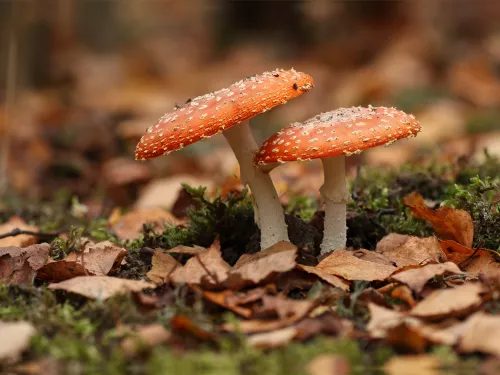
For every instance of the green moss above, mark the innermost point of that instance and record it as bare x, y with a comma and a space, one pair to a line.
304, 207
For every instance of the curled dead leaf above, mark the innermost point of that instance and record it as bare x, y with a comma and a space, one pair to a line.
100, 287
19, 265
344, 264
417, 276
330, 279
162, 266
447, 222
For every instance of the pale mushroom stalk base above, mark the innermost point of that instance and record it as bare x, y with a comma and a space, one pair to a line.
270, 213
334, 192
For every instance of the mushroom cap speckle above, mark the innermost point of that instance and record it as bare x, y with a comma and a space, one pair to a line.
345, 131
207, 115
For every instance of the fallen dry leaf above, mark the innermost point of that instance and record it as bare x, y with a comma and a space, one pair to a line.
162, 266
224, 299
273, 339
21, 240
100, 287
450, 302
382, 319
182, 325
185, 250
482, 334
344, 264
417, 277
447, 222
326, 364
207, 267
403, 293
372, 256
407, 250
19, 265
330, 279
129, 226
262, 266
143, 338
16, 337
413, 365
99, 259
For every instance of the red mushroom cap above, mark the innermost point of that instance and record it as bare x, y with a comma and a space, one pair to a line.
345, 131
210, 114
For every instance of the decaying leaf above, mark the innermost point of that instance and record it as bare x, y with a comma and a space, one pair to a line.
207, 268
403, 293
372, 256
15, 339
382, 319
325, 364
19, 265
182, 324
21, 240
224, 299
260, 267
450, 302
410, 250
447, 222
130, 225
143, 338
273, 339
330, 279
100, 287
417, 277
413, 365
99, 259
344, 264
482, 334
162, 266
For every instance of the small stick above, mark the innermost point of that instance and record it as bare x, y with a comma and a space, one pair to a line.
17, 232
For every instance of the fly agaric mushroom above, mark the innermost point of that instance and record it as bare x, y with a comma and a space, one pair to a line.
218, 112
331, 136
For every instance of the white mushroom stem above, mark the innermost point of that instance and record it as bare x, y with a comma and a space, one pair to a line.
270, 213
334, 192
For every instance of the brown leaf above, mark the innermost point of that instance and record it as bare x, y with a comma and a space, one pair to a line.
323, 324
426, 364
417, 277
262, 266
143, 338
100, 287
207, 268
182, 325
185, 250
16, 338
22, 240
129, 226
403, 293
482, 334
99, 259
162, 266
450, 302
447, 222
224, 299
342, 263
409, 250
326, 364
372, 256
280, 311
273, 339
19, 265
330, 279
382, 319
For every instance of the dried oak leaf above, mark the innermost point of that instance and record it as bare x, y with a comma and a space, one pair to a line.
344, 264
260, 267
206, 268
19, 265
447, 222
99, 259
372, 256
330, 279
482, 334
129, 226
277, 312
417, 276
143, 338
272, 339
21, 240
453, 302
426, 364
407, 250
100, 287
162, 266
16, 338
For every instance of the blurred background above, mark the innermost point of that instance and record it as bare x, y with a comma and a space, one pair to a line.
81, 80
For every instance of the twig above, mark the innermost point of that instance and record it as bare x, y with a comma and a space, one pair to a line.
212, 275
17, 232
473, 254
10, 97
